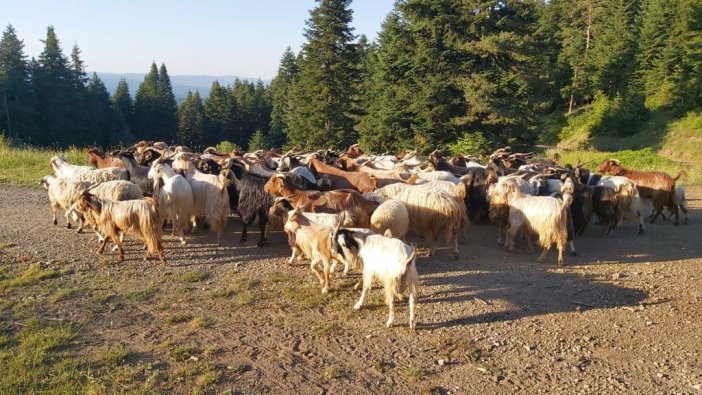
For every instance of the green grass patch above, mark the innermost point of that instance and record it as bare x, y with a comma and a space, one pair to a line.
180, 352
414, 372
221, 293
325, 329
193, 276
32, 275
27, 166
244, 298
65, 293
111, 357
200, 322
141, 296
38, 358
177, 318
305, 297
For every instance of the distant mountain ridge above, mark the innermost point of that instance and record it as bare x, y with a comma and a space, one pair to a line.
181, 83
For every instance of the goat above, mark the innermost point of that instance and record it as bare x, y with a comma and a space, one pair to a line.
343, 179
63, 169
62, 194
175, 197
97, 158
655, 185
358, 208
210, 195
108, 190
546, 216
315, 241
498, 211
137, 174
252, 201
459, 192
112, 218
385, 260
431, 214
628, 200
604, 206
390, 216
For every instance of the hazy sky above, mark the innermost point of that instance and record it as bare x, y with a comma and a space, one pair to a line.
235, 37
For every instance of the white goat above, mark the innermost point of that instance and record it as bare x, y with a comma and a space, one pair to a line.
544, 215
391, 216
175, 197
210, 196
63, 169
458, 191
498, 212
385, 260
62, 194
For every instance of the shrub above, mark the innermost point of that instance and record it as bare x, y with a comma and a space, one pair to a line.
227, 146
471, 144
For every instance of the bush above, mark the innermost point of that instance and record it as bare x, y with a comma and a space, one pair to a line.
227, 146
258, 141
471, 144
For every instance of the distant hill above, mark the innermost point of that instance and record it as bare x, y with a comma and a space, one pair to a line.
181, 83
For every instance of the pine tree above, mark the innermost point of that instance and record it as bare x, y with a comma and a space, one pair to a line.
168, 106
146, 107
323, 94
16, 96
280, 98
100, 112
122, 113
243, 94
220, 115
388, 90
258, 141
191, 121
56, 96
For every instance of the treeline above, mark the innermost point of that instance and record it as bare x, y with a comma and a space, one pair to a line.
440, 71
448, 70
50, 101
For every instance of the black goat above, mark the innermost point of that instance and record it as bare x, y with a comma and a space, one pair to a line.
604, 206
249, 199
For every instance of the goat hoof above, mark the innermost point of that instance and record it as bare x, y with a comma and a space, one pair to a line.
68, 225
573, 254
242, 240
325, 290
677, 223
357, 306
260, 244
388, 324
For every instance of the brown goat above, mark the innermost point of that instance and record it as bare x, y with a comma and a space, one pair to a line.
343, 179
658, 186
354, 151
97, 158
332, 202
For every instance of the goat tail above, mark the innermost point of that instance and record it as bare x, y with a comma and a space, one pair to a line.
681, 173
150, 231
412, 256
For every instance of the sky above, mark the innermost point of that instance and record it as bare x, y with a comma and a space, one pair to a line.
236, 37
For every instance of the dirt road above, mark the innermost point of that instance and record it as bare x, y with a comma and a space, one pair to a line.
623, 316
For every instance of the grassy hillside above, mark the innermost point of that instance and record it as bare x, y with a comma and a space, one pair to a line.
665, 142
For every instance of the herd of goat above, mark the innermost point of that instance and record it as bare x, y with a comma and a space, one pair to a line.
350, 208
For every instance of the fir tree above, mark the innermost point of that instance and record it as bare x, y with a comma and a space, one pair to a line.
191, 121
122, 113
146, 107
220, 115
167, 105
258, 141
280, 98
323, 94
100, 112
16, 98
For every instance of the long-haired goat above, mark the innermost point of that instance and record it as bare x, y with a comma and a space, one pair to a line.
358, 181
432, 214
385, 260
498, 211
175, 197
210, 196
546, 216
113, 218
108, 190
97, 158
391, 216
62, 194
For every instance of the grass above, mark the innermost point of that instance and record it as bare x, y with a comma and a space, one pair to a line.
177, 318
200, 322
325, 328
27, 166
305, 296
194, 276
180, 352
416, 373
38, 358
111, 357
141, 296
32, 275
65, 294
